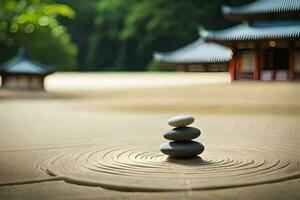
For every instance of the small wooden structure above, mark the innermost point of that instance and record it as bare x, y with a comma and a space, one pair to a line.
197, 56
266, 44
24, 73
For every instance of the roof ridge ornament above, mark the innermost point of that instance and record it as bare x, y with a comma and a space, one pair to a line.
226, 9
203, 32
23, 53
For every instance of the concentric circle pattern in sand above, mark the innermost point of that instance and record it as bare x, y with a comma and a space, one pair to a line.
146, 169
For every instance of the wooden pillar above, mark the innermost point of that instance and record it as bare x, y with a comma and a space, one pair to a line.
257, 67
232, 69
239, 62
291, 62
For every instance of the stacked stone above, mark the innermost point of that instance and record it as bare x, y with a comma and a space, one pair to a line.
182, 144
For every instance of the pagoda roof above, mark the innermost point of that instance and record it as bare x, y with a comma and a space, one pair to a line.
255, 32
196, 52
24, 64
263, 9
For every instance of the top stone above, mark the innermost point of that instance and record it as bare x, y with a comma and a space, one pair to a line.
181, 120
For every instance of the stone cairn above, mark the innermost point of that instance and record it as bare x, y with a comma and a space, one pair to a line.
182, 144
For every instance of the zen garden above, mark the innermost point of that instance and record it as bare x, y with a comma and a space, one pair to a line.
150, 99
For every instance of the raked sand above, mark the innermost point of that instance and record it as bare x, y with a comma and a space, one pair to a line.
97, 136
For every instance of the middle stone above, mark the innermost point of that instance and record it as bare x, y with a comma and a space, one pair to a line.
182, 149
182, 134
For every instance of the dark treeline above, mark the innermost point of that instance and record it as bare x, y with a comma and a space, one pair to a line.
123, 34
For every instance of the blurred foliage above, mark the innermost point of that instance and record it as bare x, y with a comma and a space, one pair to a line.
81, 28
110, 34
34, 24
128, 32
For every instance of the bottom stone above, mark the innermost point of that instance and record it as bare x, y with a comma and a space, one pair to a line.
182, 149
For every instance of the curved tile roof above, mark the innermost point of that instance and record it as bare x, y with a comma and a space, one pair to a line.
264, 7
257, 31
196, 52
24, 64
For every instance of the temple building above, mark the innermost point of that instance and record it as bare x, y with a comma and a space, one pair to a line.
197, 56
24, 73
266, 43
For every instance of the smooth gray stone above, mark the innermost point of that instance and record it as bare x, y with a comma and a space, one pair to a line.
182, 149
182, 134
181, 120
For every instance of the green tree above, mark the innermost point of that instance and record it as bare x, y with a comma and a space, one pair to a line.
128, 32
81, 27
105, 47
34, 24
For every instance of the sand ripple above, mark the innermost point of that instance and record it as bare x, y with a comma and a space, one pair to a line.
146, 169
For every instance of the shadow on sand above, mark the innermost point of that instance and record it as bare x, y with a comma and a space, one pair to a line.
193, 161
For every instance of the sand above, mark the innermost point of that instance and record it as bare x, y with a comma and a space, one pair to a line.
103, 140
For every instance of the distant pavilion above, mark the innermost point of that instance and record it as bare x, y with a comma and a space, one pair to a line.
197, 56
264, 46
24, 73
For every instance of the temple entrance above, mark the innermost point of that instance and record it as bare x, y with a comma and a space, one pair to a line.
276, 64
